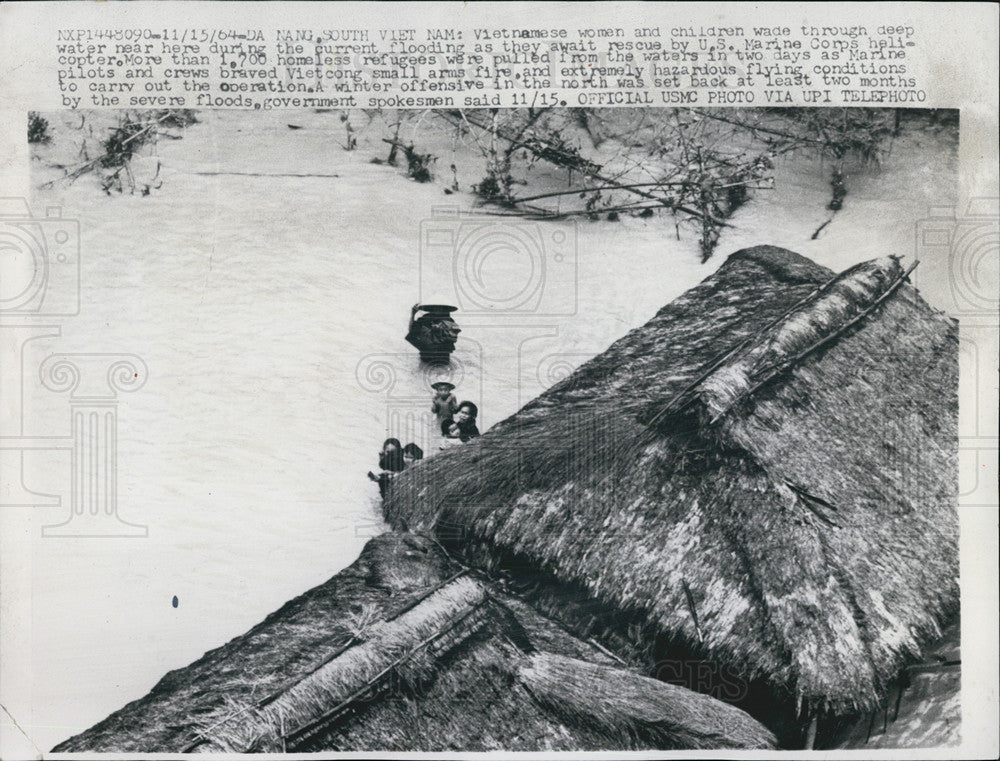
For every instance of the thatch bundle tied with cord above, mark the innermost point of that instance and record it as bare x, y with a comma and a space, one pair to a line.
752, 496
763, 476
446, 662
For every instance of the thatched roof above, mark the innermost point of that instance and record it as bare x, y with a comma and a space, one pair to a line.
923, 708
765, 471
406, 651
620, 703
289, 644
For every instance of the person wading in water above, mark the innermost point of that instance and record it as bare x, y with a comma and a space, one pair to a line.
463, 426
434, 333
392, 461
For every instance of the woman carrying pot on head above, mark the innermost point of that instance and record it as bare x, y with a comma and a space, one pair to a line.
434, 333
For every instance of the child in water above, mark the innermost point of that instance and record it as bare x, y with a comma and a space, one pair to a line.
412, 453
444, 405
463, 425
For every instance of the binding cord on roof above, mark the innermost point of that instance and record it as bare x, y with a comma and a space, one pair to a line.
297, 736
683, 397
768, 373
822, 316
205, 735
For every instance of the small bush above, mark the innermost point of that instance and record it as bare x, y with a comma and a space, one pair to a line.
418, 165
352, 140
38, 128
123, 142
176, 117
494, 187
839, 191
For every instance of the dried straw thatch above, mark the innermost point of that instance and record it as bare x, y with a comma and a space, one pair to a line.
524, 684
285, 648
626, 705
763, 475
923, 709
450, 662
517, 682
359, 673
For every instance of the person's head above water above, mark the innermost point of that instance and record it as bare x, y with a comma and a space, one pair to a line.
443, 388
466, 411
412, 452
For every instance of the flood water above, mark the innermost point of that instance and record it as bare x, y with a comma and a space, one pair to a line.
270, 310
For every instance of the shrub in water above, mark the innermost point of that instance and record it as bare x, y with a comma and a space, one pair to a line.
176, 117
418, 165
124, 141
38, 128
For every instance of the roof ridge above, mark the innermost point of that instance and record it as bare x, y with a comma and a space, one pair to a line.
719, 359
822, 316
775, 369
